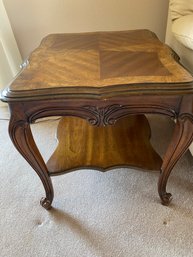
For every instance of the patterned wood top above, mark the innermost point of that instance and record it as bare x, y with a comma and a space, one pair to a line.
130, 59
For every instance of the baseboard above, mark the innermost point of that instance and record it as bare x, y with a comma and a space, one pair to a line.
4, 111
2, 104
191, 149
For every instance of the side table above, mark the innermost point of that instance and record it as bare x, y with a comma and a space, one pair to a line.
102, 84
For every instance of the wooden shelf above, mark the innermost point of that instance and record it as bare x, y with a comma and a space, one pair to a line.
81, 145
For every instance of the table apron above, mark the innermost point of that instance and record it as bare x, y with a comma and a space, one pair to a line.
98, 112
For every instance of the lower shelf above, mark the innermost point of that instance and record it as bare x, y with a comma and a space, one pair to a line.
81, 145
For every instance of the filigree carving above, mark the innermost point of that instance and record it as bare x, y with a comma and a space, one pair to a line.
108, 115
101, 112
103, 115
185, 116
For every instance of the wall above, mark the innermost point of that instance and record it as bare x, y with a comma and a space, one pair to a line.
10, 58
32, 20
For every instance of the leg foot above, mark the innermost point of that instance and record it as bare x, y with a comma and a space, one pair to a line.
45, 203
166, 198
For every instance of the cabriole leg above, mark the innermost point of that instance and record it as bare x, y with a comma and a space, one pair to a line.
182, 138
22, 138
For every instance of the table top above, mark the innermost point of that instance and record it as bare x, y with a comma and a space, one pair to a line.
132, 61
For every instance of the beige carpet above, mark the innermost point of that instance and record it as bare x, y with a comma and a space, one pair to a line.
112, 214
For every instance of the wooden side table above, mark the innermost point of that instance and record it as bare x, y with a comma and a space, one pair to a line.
102, 84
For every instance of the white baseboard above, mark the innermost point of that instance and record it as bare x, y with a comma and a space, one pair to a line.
2, 104
191, 149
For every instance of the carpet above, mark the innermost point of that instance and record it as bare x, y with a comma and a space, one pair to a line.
94, 214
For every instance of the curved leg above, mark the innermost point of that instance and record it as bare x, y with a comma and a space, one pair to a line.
182, 138
22, 138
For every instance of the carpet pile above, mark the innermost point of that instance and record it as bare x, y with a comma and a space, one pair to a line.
94, 214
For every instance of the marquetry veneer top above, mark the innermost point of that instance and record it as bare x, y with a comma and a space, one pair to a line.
134, 60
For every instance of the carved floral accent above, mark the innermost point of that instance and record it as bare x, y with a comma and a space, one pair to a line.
103, 115
108, 115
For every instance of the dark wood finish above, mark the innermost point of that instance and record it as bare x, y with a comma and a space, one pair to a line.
102, 78
101, 64
182, 138
124, 144
20, 133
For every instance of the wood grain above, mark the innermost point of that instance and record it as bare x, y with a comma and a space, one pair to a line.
81, 145
128, 60
101, 79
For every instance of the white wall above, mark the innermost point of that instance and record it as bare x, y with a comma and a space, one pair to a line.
32, 20
10, 58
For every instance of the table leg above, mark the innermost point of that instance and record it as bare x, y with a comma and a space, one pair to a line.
182, 138
22, 138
